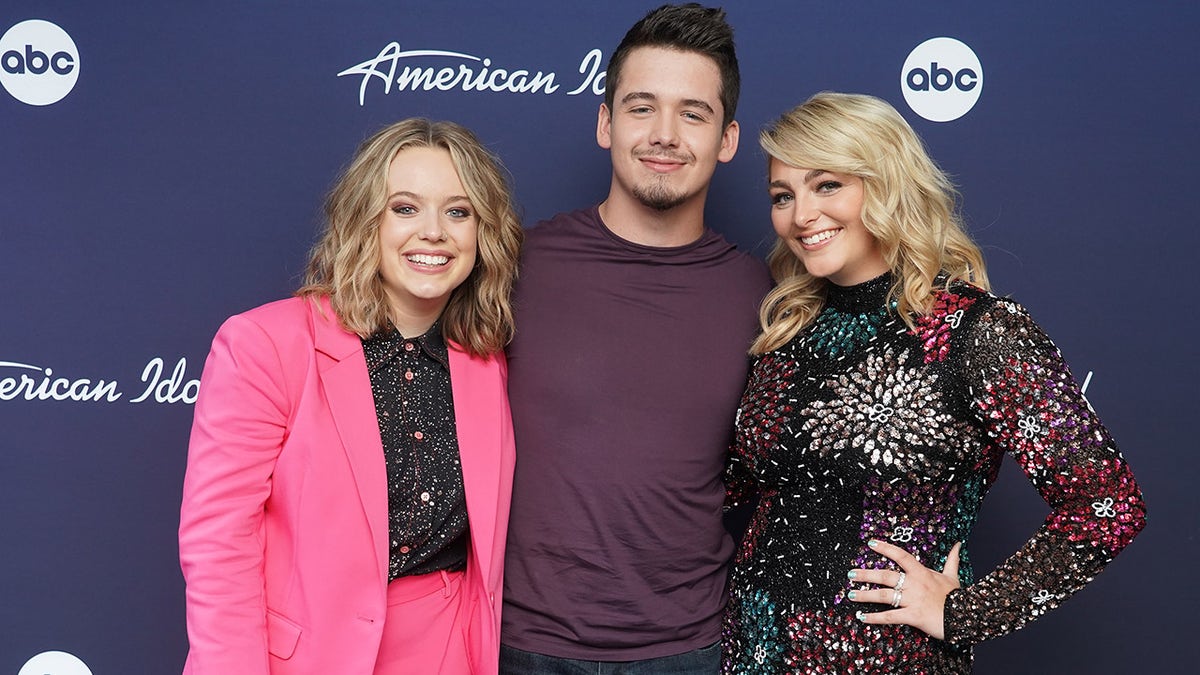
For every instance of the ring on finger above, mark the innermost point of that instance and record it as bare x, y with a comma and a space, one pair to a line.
896, 596
900, 581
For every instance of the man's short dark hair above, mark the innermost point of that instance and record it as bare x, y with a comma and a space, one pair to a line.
689, 28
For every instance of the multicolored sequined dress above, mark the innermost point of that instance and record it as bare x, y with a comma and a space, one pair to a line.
861, 428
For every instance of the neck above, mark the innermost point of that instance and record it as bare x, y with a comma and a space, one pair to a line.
413, 321
633, 221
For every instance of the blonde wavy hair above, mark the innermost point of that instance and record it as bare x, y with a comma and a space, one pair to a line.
909, 205
344, 263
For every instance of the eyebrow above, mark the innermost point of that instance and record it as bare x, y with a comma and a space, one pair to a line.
813, 174
784, 185
413, 195
638, 96
687, 102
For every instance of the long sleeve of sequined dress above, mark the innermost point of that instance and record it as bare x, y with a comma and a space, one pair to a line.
1025, 398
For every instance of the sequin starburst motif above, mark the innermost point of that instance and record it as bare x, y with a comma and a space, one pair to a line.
882, 408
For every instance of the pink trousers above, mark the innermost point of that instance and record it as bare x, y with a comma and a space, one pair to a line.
423, 633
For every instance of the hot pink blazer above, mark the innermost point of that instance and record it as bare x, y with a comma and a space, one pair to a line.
283, 533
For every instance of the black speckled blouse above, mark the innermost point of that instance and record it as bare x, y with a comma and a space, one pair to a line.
861, 428
427, 509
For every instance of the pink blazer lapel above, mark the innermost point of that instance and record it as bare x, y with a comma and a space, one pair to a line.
347, 386
478, 389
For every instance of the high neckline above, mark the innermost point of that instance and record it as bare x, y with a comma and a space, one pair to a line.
864, 297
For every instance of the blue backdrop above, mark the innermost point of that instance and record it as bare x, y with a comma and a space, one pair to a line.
180, 180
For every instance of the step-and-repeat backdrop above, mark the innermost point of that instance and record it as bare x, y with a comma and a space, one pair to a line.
162, 166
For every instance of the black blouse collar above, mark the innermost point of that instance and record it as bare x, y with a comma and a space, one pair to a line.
385, 344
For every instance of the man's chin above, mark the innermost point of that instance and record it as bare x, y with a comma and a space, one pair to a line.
658, 199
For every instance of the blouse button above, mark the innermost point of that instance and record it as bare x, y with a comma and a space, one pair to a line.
404, 549
408, 346
418, 435
408, 375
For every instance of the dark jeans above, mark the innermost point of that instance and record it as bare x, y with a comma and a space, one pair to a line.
703, 661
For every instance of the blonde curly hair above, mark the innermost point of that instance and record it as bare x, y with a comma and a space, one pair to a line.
909, 206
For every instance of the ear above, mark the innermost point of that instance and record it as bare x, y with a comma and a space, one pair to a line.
729, 142
604, 127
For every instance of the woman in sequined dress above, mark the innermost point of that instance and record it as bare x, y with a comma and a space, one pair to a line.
350, 466
887, 386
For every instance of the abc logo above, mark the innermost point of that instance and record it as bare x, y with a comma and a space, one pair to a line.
54, 663
941, 79
39, 63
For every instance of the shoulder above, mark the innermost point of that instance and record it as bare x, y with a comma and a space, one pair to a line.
279, 312
753, 268
273, 317
285, 324
740, 266
970, 303
987, 323
567, 223
979, 304
571, 235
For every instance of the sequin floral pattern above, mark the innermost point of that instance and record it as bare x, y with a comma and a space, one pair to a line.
861, 428
934, 329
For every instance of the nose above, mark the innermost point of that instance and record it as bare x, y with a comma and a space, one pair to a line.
432, 228
805, 212
665, 130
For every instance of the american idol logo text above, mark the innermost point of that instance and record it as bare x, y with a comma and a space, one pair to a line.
434, 69
32, 382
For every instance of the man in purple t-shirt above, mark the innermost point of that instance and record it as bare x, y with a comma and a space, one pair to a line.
633, 325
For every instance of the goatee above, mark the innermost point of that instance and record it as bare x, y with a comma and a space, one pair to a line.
657, 197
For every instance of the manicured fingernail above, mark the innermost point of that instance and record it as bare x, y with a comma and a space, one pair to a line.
852, 574
851, 595
860, 616
872, 543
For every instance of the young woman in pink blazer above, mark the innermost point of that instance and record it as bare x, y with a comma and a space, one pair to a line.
350, 466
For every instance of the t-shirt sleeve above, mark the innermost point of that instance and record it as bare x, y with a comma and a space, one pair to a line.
1021, 391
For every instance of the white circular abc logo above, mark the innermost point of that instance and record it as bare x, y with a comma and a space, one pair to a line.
39, 62
941, 79
54, 663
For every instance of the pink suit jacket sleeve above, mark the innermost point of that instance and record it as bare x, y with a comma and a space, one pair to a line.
237, 434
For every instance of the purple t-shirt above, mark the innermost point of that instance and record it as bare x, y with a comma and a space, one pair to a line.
624, 376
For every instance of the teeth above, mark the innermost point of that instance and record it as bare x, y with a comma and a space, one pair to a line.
422, 259
819, 237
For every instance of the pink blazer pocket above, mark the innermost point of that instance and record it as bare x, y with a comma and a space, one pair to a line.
282, 635
471, 636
